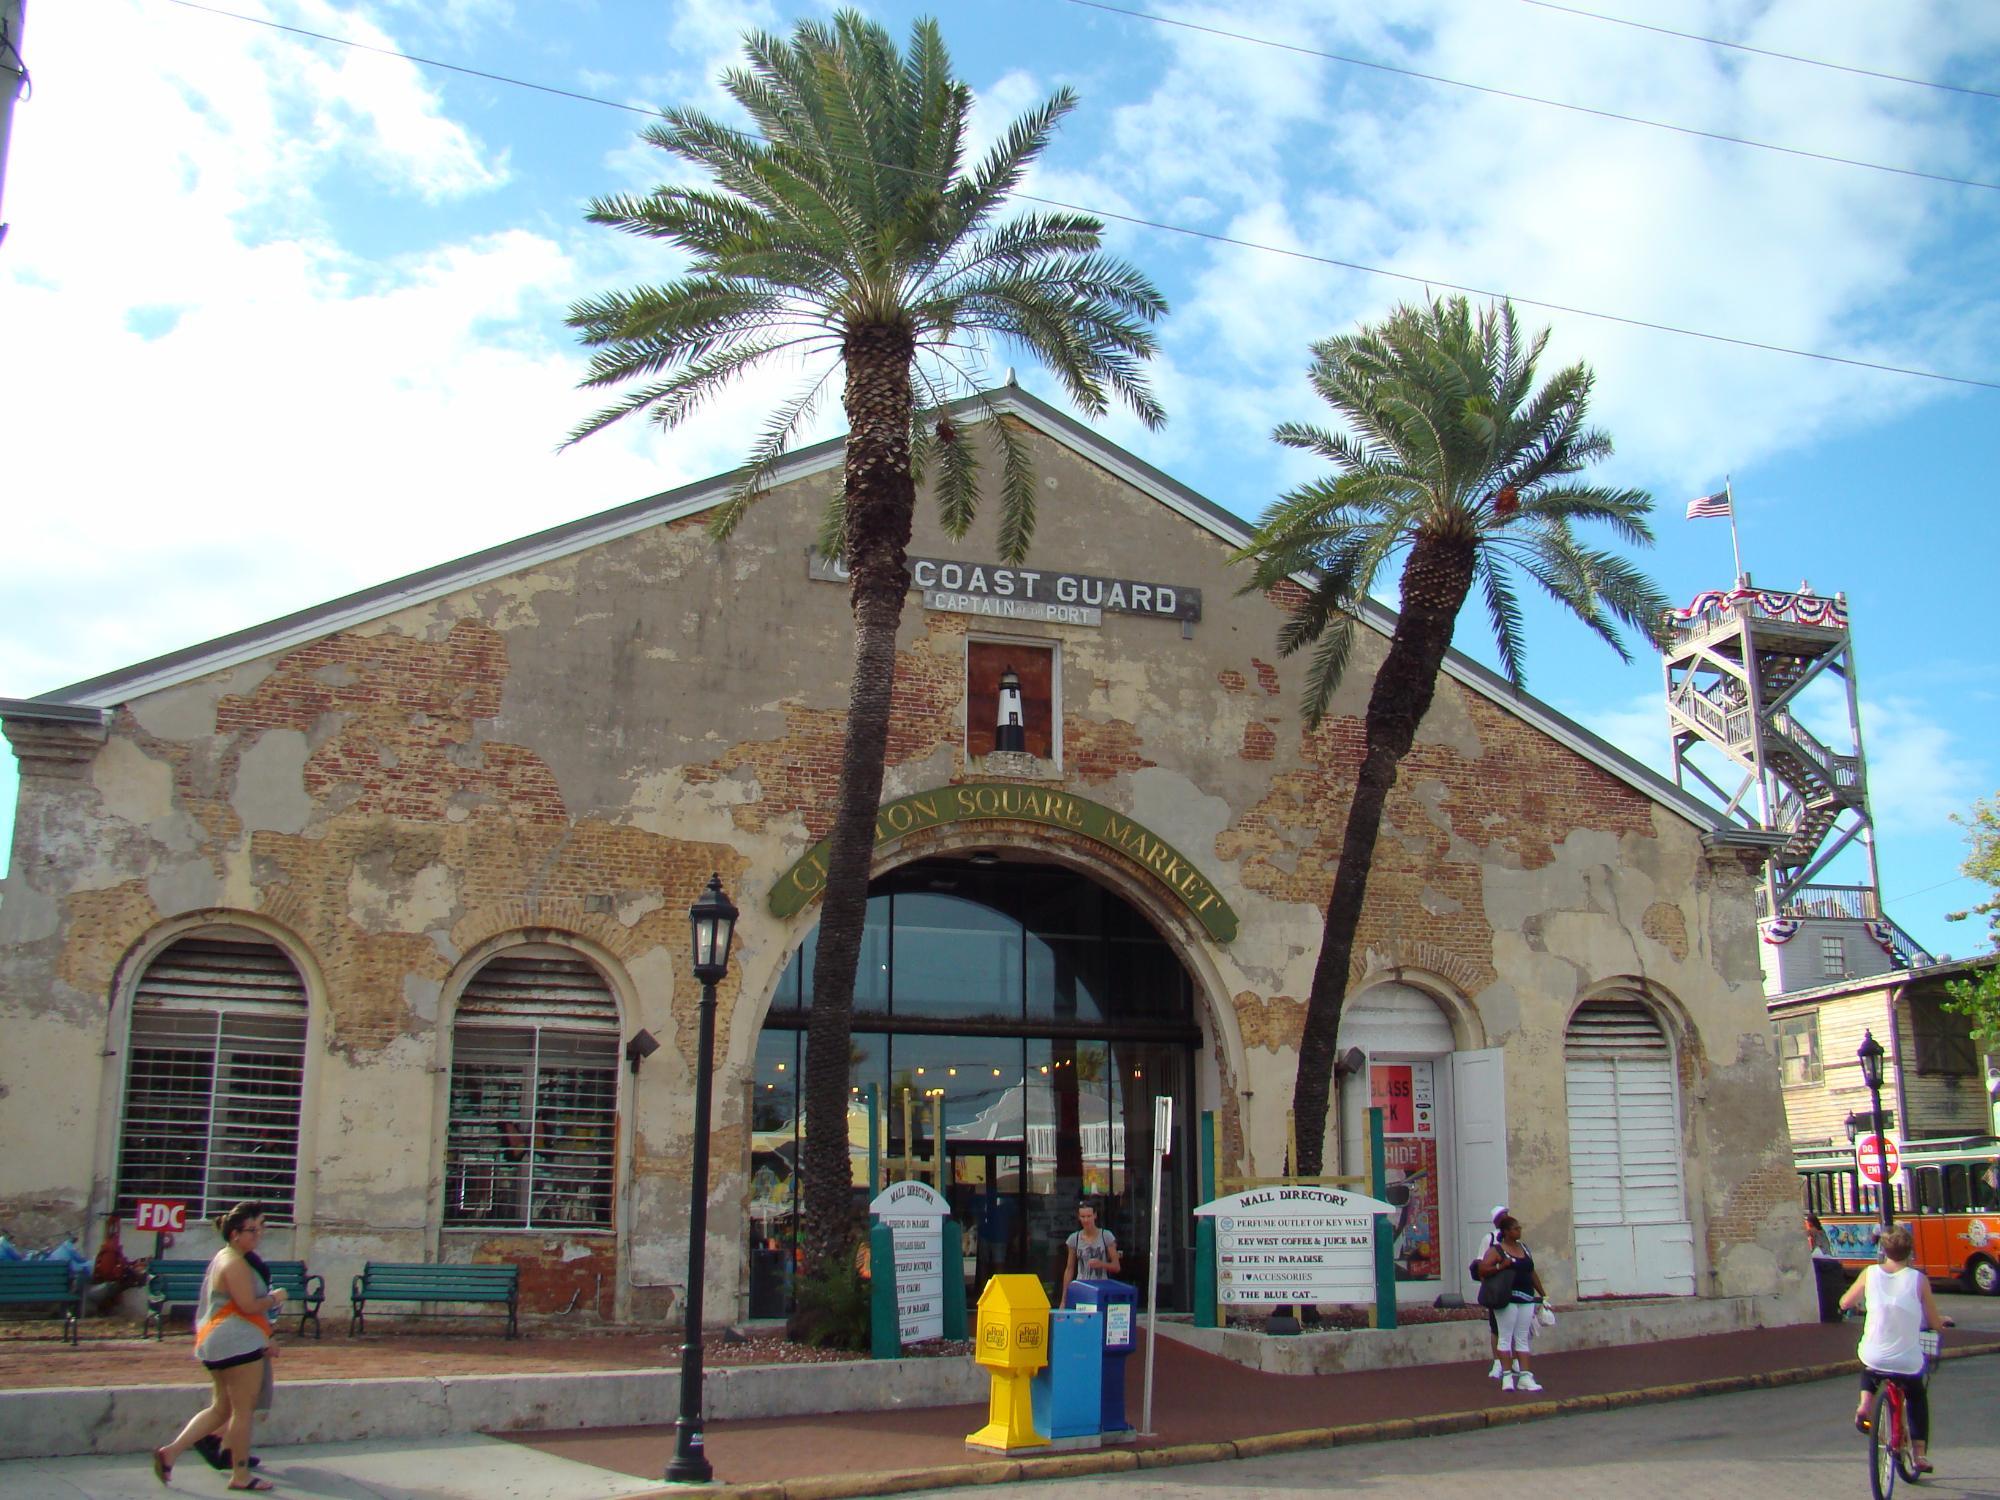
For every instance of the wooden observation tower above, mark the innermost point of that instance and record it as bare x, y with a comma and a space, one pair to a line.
1737, 663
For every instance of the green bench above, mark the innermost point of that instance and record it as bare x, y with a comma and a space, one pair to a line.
177, 1283
434, 1281
45, 1283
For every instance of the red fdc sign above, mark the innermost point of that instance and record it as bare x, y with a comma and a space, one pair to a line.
160, 1216
1870, 1157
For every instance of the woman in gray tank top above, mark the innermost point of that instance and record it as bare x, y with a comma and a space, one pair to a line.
232, 1331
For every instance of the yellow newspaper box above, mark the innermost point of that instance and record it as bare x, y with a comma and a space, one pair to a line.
1012, 1341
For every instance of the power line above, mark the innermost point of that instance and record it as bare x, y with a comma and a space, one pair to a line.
1180, 229
1791, 57
429, 62
1497, 93
1907, 895
1478, 291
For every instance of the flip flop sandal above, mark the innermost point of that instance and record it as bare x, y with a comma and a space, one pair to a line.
162, 1470
257, 1482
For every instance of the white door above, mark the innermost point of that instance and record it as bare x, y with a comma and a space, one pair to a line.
1627, 1194
1479, 1156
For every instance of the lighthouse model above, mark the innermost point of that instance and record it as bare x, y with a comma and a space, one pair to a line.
1012, 734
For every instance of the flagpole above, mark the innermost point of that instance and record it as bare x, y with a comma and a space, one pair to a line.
1735, 547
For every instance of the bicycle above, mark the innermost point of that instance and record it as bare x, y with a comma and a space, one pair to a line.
1891, 1444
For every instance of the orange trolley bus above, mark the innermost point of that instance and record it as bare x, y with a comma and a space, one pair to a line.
1948, 1193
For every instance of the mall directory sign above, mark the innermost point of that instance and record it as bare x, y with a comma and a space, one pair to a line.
1306, 1245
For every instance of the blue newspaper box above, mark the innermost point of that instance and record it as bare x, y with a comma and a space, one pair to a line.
1067, 1392
1115, 1303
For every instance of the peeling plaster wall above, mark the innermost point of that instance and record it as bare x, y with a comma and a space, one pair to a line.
568, 752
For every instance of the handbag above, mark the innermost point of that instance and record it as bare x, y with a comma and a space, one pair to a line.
1497, 1290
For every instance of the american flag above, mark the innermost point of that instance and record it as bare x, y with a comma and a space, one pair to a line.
1702, 507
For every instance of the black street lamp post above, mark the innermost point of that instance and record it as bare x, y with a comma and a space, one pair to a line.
713, 921
1871, 1074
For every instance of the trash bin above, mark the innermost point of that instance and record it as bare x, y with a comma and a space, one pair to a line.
1832, 1280
1068, 1392
1117, 1303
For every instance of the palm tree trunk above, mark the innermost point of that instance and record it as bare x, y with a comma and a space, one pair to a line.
1435, 581
881, 502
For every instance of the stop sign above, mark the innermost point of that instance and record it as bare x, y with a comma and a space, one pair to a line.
1871, 1152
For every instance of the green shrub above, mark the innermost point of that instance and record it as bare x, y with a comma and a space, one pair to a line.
830, 1308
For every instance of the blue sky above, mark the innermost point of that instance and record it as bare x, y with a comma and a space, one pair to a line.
284, 319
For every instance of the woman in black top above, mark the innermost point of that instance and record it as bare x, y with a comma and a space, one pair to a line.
1517, 1319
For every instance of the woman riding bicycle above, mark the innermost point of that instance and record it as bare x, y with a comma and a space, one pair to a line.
1900, 1307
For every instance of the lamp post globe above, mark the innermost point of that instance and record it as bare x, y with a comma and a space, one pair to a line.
712, 929
1871, 1054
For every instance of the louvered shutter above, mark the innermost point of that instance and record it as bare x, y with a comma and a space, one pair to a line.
215, 1068
1628, 1198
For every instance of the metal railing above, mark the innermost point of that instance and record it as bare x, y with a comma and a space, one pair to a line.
1857, 903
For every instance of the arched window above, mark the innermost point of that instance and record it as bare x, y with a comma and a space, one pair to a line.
531, 1135
1628, 1196
215, 1064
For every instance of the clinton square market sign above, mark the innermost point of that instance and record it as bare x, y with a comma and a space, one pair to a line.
996, 801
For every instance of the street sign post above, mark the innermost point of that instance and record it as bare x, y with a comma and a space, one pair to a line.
163, 1216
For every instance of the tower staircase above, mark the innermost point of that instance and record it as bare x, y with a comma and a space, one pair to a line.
1737, 663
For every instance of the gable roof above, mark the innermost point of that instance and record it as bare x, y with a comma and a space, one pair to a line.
92, 698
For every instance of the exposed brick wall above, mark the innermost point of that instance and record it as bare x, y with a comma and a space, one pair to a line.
556, 1270
1260, 742
1099, 750
1666, 926
407, 745
1749, 1204
1274, 1021
798, 774
1519, 797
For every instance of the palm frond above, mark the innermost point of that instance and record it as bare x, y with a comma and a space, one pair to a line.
1503, 613
1017, 489
957, 481
772, 443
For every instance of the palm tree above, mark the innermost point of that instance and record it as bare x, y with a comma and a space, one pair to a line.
1455, 460
848, 235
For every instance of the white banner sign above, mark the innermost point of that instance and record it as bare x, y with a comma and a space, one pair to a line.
1295, 1244
913, 1212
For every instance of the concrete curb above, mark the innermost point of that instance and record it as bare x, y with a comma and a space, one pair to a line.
1120, 1460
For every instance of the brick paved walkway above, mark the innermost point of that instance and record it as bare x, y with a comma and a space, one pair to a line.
1202, 1398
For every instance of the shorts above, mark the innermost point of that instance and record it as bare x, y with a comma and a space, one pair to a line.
1916, 1395
234, 1360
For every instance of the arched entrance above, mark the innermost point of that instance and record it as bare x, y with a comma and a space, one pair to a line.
1014, 1023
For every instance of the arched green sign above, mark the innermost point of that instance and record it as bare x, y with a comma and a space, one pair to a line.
981, 801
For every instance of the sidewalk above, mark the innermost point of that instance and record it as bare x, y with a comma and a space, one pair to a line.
1205, 1408
1208, 1408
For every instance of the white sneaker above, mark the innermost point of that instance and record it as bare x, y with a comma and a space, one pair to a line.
1507, 1381
1497, 1371
1526, 1381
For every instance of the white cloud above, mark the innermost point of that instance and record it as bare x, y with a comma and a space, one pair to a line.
1436, 182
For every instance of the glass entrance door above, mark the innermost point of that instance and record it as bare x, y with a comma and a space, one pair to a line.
985, 1197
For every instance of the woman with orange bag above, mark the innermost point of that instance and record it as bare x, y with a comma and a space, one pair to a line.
232, 1334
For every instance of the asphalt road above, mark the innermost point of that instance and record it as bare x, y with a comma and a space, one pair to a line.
1795, 1442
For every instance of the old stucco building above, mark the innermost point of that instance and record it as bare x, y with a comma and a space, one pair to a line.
358, 912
